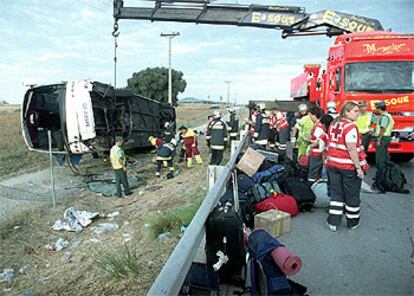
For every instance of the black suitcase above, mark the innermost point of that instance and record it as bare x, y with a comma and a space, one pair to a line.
246, 203
225, 232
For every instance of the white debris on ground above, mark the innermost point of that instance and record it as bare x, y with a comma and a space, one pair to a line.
59, 245
6, 275
105, 227
127, 237
75, 220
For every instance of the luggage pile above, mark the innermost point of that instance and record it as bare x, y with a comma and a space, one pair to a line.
241, 231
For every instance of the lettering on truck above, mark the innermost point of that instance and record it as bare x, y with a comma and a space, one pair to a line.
273, 18
372, 48
353, 23
392, 101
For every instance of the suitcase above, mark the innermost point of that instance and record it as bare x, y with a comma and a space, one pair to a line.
281, 202
301, 191
200, 277
225, 232
246, 204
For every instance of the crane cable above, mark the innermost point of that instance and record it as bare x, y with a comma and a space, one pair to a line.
115, 34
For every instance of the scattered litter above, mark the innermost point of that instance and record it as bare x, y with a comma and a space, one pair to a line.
75, 220
7, 289
140, 193
27, 293
16, 227
22, 269
176, 173
107, 188
76, 244
147, 225
6, 275
59, 245
31, 184
92, 240
184, 189
105, 227
153, 188
67, 258
126, 222
113, 214
42, 278
204, 188
126, 236
164, 235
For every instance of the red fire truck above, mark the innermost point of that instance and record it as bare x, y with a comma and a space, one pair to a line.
367, 66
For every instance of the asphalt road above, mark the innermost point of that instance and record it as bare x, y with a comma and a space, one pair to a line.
375, 259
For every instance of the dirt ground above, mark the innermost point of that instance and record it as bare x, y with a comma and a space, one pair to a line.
26, 223
24, 237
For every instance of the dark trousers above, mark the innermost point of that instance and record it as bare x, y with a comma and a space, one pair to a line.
216, 157
182, 153
345, 187
159, 165
315, 168
121, 177
282, 139
366, 138
381, 151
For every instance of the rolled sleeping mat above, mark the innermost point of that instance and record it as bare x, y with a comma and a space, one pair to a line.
288, 262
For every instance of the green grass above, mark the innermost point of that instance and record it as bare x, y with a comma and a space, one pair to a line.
173, 219
118, 263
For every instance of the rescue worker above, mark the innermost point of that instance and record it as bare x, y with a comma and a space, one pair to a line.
331, 109
363, 124
119, 165
233, 125
346, 162
272, 131
168, 132
302, 130
319, 141
191, 147
165, 153
281, 126
182, 147
217, 138
382, 134
261, 128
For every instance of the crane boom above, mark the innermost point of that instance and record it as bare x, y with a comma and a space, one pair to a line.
291, 20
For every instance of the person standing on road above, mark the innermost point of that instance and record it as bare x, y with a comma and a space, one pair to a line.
282, 129
319, 139
382, 134
191, 146
119, 165
261, 129
346, 162
363, 124
217, 138
302, 131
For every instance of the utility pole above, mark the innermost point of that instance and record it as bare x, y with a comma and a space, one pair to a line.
169, 36
228, 91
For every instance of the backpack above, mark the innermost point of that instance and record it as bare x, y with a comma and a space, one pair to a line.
200, 277
389, 177
245, 183
322, 199
301, 191
264, 190
268, 174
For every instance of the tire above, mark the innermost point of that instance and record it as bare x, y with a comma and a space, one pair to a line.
403, 157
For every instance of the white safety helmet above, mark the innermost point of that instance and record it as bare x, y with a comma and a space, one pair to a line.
167, 124
331, 105
216, 114
303, 107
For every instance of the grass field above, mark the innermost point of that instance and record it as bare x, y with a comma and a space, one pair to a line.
14, 155
193, 115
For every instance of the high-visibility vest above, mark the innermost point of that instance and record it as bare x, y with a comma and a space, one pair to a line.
388, 129
363, 123
281, 122
305, 125
114, 157
338, 154
317, 151
189, 138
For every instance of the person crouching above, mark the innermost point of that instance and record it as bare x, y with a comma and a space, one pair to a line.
165, 152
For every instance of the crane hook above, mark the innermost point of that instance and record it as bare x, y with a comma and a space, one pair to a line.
115, 32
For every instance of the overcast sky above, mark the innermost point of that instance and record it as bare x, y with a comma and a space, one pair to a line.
53, 41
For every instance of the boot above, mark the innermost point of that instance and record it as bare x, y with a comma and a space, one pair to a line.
198, 159
180, 160
157, 174
170, 176
165, 164
189, 162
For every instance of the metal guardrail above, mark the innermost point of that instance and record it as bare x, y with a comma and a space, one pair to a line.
173, 274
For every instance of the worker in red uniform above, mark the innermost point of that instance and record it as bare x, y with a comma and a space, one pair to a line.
191, 146
281, 126
252, 120
346, 163
272, 130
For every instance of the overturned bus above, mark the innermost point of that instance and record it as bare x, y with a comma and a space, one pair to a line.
85, 116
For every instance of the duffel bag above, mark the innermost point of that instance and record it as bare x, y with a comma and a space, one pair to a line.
268, 174
301, 191
245, 183
264, 190
320, 190
279, 201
